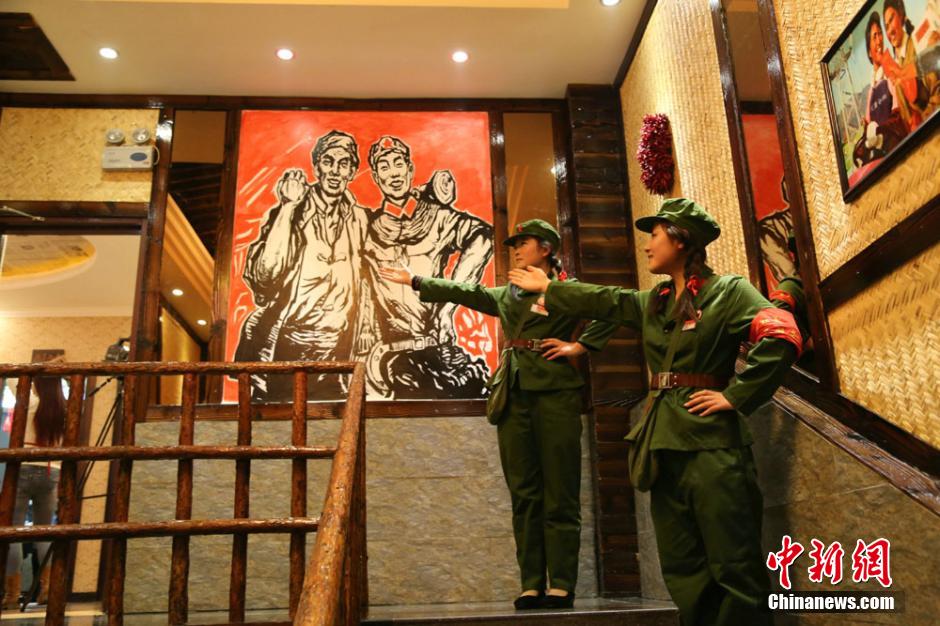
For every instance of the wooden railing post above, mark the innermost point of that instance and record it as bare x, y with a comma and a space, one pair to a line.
298, 493
237, 585
178, 606
12, 474
122, 498
68, 506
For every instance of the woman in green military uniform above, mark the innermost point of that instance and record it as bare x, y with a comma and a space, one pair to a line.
691, 449
539, 431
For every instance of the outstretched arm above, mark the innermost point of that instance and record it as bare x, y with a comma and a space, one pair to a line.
473, 296
610, 304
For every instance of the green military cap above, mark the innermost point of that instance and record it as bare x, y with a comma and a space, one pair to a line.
685, 214
536, 228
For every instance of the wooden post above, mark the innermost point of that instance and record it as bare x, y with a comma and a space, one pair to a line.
12, 474
237, 586
68, 506
178, 607
298, 496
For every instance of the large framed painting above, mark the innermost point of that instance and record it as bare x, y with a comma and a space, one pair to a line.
882, 83
323, 200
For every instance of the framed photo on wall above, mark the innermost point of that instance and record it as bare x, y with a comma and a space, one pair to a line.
882, 83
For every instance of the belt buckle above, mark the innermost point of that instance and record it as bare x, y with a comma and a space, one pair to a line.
664, 380
419, 343
536, 345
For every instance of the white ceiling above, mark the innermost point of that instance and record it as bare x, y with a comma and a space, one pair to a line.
228, 48
105, 286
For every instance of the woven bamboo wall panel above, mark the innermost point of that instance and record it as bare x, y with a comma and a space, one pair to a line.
807, 30
887, 347
55, 154
675, 72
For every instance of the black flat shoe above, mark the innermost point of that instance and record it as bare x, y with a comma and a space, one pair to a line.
558, 602
527, 603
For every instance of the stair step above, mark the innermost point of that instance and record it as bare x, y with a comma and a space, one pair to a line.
594, 611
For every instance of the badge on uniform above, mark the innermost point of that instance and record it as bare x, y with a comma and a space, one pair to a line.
690, 324
539, 307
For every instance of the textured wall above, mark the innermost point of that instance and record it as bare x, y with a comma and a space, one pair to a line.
83, 339
813, 489
675, 72
55, 154
886, 341
438, 515
887, 347
807, 29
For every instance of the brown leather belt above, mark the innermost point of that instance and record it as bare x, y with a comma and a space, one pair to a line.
526, 344
668, 380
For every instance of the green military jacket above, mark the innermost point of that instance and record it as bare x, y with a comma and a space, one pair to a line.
530, 369
728, 304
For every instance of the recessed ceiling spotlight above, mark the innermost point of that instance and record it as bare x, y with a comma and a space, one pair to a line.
177, 292
460, 56
285, 54
202, 322
610, 3
108, 53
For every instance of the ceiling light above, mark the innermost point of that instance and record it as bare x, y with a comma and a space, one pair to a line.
177, 292
610, 3
108, 53
285, 54
460, 56
202, 322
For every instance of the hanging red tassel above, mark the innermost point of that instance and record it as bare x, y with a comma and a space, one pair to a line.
657, 167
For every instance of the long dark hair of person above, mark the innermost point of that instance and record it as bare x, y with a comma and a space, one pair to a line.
695, 265
50, 414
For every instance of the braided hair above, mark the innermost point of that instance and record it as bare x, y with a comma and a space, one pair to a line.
695, 265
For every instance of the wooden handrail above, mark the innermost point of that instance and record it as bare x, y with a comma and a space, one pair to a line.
340, 579
332, 588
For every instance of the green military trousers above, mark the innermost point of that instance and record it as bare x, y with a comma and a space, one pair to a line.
706, 509
540, 449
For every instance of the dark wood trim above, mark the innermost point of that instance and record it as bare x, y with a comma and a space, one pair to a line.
806, 247
756, 107
223, 251
236, 103
634, 43
500, 197
564, 193
376, 409
742, 172
910, 464
914, 235
146, 323
31, 41
58, 208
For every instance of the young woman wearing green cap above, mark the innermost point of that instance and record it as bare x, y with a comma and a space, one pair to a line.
691, 448
539, 427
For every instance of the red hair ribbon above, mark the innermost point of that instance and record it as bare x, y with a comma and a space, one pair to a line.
694, 284
563, 276
776, 323
783, 296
